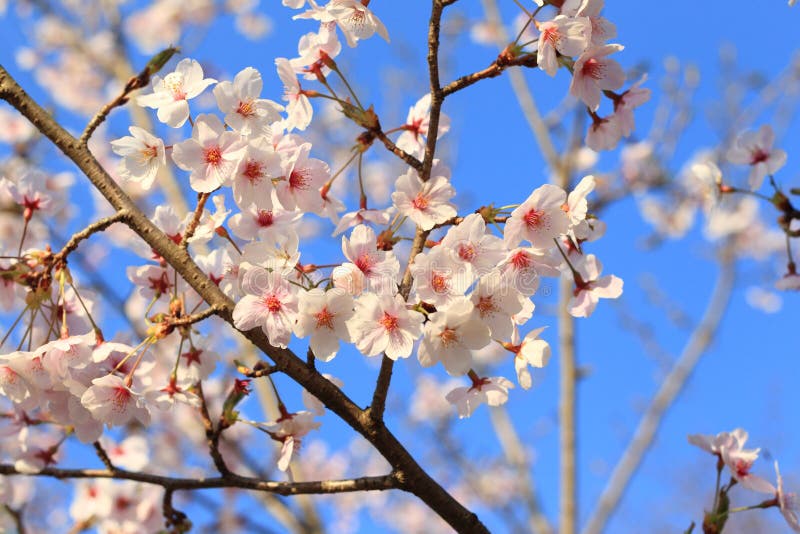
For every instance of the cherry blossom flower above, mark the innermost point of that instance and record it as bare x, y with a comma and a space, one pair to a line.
740, 460
729, 447
523, 268
196, 363
68, 353
93, 498
451, 335
591, 288
539, 219
151, 281
30, 193
626, 103
244, 111
561, 35
472, 244
492, 391
280, 253
496, 301
361, 216
171, 94
416, 127
789, 503
143, 155
252, 180
593, 72
755, 149
314, 50
263, 223
380, 268
211, 154
270, 302
425, 203
353, 17
439, 277
303, 177
602, 30
12, 384
603, 133
131, 453
298, 109
384, 324
36, 451
165, 398
532, 352
323, 316
577, 205
715, 444
703, 181
289, 430
113, 403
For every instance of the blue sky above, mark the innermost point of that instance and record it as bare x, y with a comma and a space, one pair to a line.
745, 379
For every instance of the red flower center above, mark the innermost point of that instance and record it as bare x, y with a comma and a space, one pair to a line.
389, 322
273, 304
420, 202
253, 171
246, 109
324, 318
592, 68
212, 155
439, 283
535, 219
265, 218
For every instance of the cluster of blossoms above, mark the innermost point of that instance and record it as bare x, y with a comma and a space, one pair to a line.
729, 449
731, 211
472, 286
576, 38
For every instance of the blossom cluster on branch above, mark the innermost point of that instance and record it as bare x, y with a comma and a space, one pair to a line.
420, 277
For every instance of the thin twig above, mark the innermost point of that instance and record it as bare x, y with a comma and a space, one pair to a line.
195, 317
103, 455
93, 228
370, 483
397, 151
202, 198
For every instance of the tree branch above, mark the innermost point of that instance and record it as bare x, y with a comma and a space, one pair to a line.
495, 69
373, 483
413, 478
97, 226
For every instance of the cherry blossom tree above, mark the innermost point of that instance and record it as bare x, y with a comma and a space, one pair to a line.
269, 232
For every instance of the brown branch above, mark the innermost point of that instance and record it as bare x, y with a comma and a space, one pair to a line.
259, 369
495, 69
413, 478
188, 320
397, 151
202, 198
371, 483
378, 405
103, 455
437, 97
97, 226
212, 434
